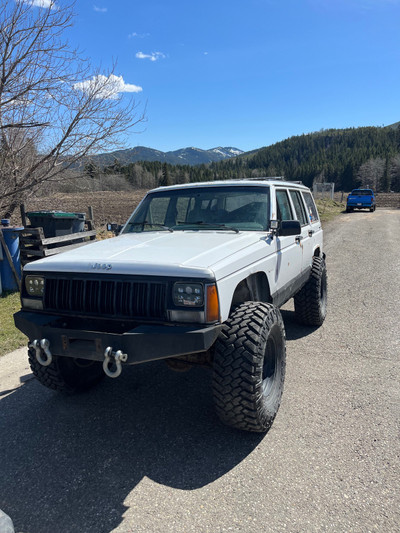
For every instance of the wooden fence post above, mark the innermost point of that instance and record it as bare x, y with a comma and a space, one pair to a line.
23, 215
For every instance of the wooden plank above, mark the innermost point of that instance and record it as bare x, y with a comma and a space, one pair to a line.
30, 231
45, 252
69, 237
53, 251
29, 240
9, 259
33, 239
33, 243
32, 251
33, 231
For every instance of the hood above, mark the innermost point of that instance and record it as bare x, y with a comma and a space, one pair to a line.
161, 253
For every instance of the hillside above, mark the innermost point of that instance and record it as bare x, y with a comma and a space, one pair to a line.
348, 157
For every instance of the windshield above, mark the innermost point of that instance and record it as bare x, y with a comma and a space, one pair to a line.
361, 192
203, 208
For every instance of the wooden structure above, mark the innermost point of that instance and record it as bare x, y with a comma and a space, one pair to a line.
34, 245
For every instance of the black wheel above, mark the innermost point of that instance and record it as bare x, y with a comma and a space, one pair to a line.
249, 367
66, 374
310, 303
348, 210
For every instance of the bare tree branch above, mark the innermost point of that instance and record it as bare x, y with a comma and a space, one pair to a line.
55, 109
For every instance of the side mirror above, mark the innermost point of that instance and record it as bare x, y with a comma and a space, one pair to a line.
289, 227
113, 226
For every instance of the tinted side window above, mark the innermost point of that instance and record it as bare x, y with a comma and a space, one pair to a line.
283, 206
312, 210
299, 207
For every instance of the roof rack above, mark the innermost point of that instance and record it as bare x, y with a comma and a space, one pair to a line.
276, 178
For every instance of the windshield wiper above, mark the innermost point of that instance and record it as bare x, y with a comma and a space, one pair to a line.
151, 224
210, 224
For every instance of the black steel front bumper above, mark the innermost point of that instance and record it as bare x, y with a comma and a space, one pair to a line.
142, 343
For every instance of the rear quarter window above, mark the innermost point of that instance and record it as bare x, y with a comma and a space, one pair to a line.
311, 208
299, 208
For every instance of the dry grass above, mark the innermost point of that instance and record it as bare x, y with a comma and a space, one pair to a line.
329, 209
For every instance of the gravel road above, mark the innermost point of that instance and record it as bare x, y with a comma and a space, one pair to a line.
145, 452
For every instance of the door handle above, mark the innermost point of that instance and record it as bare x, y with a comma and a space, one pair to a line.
298, 238
310, 232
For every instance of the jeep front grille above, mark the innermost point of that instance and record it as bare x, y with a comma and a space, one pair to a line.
128, 299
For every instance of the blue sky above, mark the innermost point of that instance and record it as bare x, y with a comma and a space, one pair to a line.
247, 73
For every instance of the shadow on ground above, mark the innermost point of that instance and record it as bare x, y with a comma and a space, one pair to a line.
68, 463
293, 329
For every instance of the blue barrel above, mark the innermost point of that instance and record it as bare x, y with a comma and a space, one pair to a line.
11, 237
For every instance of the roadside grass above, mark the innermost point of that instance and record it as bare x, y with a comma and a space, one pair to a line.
329, 209
10, 337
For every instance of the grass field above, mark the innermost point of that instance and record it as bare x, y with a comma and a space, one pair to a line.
10, 337
329, 209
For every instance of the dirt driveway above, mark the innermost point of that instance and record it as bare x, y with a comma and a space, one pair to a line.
145, 452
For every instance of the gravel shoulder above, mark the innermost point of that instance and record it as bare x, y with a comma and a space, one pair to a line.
146, 453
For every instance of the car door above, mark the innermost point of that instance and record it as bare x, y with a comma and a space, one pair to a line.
289, 251
306, 230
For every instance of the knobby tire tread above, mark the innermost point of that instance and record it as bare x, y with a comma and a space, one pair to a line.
307, 302
237, 377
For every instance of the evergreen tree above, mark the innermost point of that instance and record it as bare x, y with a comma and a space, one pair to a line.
91, 170
385, 181
165, 179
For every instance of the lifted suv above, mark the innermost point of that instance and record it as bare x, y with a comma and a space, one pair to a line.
196, 276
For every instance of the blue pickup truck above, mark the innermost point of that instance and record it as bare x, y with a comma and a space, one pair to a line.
361, 199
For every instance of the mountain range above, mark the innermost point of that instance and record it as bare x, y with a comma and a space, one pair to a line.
183, 156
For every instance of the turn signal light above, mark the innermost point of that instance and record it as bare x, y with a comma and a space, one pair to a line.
212, 311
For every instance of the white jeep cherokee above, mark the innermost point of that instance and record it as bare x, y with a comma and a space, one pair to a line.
196, 276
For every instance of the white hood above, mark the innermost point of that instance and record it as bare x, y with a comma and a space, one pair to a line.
181, 253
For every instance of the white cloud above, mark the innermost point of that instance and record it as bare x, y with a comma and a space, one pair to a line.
153, 56
107, 87
40, 3
100, 9
138, 35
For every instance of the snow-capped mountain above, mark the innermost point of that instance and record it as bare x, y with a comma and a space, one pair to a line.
184, 156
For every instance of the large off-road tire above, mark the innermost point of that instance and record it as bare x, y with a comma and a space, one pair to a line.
249, 367
66, 374
310, 304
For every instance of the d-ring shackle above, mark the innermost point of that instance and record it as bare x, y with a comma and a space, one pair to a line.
113, 357
42, 346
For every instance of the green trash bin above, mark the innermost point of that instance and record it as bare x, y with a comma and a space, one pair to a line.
57, 223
